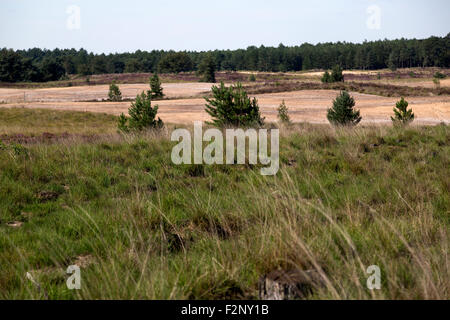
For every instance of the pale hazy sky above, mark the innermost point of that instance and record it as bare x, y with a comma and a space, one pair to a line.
125, 26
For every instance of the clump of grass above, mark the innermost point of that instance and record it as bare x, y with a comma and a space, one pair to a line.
154, 230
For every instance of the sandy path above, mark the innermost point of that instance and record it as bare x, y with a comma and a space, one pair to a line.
306, 105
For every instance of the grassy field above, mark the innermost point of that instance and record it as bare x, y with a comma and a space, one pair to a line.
143, 228
33, 122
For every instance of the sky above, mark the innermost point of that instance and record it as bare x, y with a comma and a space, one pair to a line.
107, 26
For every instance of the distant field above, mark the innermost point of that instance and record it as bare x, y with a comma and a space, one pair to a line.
99, 92
375, 92
425, 74
305, 105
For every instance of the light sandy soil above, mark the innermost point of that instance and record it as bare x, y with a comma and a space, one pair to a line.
357, 72
99, 92
312, 105
306, 105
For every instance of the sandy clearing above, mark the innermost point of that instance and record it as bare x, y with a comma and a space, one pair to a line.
99, 92
305, 105
355, 72
129, 91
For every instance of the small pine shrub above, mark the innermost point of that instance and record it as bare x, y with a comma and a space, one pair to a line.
336, 74
231, 106
283, 115
252, 78
155, 87
142, 115
401, 113
439, 75
114, 93
343, 113
122, 124
326, 78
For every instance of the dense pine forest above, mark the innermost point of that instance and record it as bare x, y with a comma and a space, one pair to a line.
39, 65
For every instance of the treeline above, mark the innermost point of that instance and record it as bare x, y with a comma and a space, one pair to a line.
39, 65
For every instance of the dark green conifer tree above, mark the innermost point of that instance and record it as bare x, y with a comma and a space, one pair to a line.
231, 106
343, 113
142, 115
114, 93
155, 87
207, 69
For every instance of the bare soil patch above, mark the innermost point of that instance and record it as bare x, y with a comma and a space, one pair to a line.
304, 106
99, 92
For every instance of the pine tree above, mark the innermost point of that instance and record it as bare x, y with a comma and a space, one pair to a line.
114, 93
342, 113
155, 87
392, 63
402, 114
283, 113
207, 69
252, 78
122, 123
231, 106
326, 78
336, 74
142, 115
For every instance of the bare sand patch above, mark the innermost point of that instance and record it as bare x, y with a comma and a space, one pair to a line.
99, 92
353, 72
304, 106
